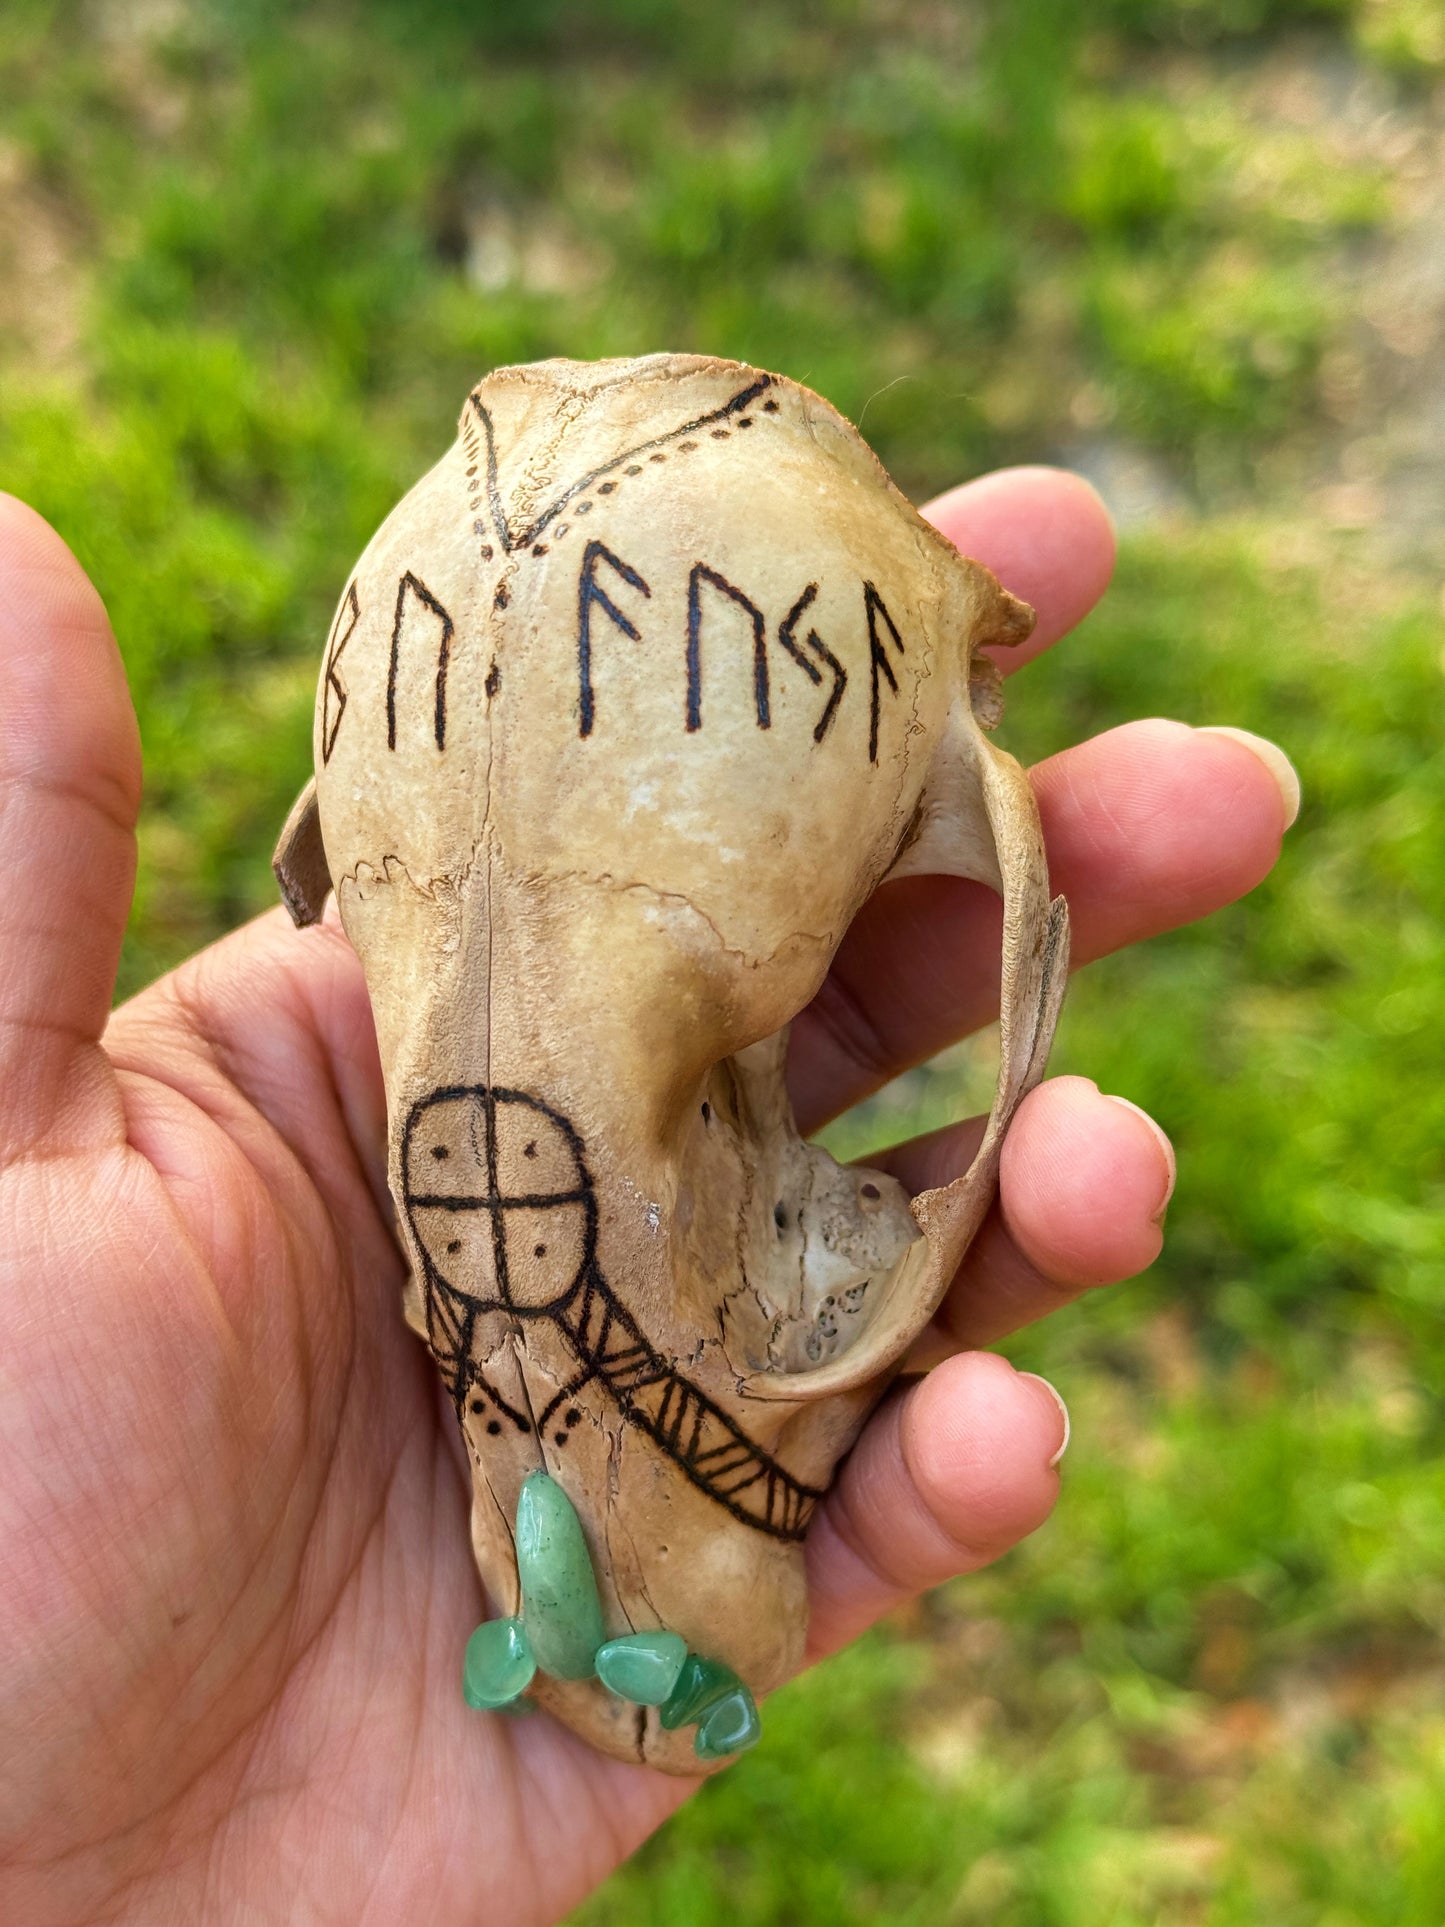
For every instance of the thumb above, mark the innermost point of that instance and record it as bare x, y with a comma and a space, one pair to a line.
70, 778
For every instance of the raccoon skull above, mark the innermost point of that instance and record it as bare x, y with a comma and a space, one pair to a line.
626, 710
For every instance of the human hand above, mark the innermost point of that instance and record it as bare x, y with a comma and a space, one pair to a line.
233, 1521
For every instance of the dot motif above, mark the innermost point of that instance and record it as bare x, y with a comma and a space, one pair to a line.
502, 597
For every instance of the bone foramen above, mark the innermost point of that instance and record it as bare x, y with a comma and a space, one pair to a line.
628, 707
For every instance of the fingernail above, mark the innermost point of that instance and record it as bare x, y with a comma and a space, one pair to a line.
1274, 759
1053, 1393
1161, 1138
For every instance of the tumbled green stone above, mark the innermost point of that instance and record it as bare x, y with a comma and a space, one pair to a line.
561, 1609
730, 1725
499, 1665
700, 1684
642, 1667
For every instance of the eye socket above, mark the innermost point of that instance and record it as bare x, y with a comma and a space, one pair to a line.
869, 1191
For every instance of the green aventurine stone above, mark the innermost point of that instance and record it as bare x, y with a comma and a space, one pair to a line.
498, 1666
700, 1684
730, 1725
642, 1667
561, 1609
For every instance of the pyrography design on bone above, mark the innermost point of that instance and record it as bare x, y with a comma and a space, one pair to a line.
486, 1170
333, 689
482, 472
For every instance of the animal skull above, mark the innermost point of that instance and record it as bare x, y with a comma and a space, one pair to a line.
628, 707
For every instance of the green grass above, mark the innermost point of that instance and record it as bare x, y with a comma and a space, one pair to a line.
1210, 1690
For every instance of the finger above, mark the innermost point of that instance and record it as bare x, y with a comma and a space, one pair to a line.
1046, 536
1147, 827
69, 795
274, 1021
949, 1473
1084, 1182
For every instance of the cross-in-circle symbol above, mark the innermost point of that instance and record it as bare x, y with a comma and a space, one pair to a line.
499, 1197
501, 1202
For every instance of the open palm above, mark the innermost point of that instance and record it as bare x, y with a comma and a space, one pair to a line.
235, 1577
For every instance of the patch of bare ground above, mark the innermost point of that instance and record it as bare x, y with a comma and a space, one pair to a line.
1378, 466
45, 267
42, 277
1367, 479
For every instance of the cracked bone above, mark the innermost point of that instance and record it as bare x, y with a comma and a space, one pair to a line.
626, 710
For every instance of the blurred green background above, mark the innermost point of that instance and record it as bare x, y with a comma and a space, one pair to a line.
252, 257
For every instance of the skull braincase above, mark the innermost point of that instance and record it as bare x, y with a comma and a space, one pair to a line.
627, 708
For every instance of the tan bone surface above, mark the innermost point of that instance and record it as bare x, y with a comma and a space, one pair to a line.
627, 708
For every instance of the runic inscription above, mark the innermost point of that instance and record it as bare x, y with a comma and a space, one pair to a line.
701, 574
787, 636
811, 653
590, 593
878, 662
411, 594
333, 695
503, 1208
